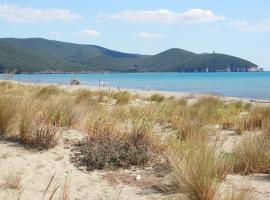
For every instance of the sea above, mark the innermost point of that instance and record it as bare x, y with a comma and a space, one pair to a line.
250, 85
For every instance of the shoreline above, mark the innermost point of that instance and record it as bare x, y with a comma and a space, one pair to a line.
145, 93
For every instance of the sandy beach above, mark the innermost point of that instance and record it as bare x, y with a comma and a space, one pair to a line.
147, 93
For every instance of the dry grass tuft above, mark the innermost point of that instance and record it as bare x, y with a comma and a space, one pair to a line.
13, 181
7, 113
83, 96
253, 153
60, 112
186, 128
258, 117
48, 91
241, 194
197, 169
157, 98
122, 97
36, 132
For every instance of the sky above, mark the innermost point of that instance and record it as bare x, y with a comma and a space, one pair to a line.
236, 27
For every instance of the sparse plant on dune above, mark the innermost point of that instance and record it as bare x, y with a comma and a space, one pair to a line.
13, 181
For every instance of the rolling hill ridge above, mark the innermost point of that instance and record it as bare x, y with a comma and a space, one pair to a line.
40, 55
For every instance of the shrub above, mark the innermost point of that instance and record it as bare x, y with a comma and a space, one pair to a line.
140, 143
157, 98
105, 146
102, 145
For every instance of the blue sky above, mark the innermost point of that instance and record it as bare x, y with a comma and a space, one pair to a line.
236, 27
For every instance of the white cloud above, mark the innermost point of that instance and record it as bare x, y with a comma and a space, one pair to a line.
89, 33
165, 16
147, 36
17, 14
263, 26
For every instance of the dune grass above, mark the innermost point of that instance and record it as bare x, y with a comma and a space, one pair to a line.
157, 98
119, 133
7, 113
253, 153
197, 169
122, 97
48, 91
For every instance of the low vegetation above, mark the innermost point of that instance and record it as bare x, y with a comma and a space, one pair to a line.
197, 169
118, 132
253, 153
157, 98
106, 146
7, 112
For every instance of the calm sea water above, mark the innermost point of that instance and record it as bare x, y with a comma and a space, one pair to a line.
246, 85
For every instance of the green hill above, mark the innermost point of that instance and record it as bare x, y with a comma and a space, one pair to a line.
39, 55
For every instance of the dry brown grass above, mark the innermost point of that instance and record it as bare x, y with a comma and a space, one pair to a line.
122, 97
121, 136
83, 96
60, 112
13, 181
197, 169
242, 194
7, 113
48, 91
186, 128
253, 153
36, 132
157, 98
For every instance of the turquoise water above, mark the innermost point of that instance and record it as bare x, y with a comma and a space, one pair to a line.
246, 85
